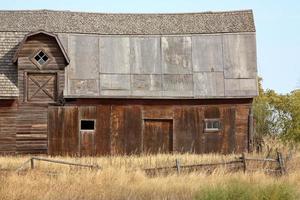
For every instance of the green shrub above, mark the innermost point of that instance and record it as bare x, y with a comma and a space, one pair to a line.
241, 190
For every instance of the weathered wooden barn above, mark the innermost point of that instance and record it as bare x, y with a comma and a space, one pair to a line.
105, 84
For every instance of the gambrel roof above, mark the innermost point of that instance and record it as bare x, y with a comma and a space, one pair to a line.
15, 58
184, 55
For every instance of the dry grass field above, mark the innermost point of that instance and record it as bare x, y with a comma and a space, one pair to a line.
122, 178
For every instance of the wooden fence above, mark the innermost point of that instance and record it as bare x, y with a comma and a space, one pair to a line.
240, 164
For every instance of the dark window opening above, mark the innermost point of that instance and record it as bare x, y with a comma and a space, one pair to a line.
87, 125
212, 124
41, 58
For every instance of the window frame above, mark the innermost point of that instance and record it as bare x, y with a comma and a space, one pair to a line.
35, 62
207, 129
88, 130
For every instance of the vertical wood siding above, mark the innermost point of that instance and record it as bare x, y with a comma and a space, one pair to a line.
133, 128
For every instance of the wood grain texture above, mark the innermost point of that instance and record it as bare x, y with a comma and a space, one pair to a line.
39, 86
134, 127
8, 113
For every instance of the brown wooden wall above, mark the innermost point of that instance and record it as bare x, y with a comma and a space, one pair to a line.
8, 113
31, 120
137, 126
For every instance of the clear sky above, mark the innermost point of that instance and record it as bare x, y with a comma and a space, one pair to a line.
277, 25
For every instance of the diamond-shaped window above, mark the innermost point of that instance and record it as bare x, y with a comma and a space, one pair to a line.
41, 58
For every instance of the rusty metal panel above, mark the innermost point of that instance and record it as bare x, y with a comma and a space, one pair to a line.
114, 55
87, 87
229, 126
87, 143
208, 84
84, 57
55, 130
102, 137
240, 56
207, 53
188, 129
125, 135
241, 87
158, 136
176, 55
87, 138
145, 55
146, 85
178, 85
157, 112
242, 128
70, 135
133, 129
115, 84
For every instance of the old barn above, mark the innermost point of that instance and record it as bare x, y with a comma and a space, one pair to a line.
105, 84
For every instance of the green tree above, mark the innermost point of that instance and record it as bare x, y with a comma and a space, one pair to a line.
277, 115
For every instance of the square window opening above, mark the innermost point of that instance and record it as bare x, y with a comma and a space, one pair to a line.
41, 58
212, 125
87, 125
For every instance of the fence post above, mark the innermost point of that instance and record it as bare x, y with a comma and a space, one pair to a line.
32, 163
244, 162
281, 163
178, 166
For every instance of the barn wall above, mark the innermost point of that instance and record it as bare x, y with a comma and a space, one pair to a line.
31, 120
8, 113
122, 126
161, 66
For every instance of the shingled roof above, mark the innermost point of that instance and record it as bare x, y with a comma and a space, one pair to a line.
102, 23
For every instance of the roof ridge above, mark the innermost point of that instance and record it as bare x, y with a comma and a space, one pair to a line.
136, 13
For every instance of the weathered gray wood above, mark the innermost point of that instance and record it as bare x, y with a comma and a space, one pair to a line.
207, 53
178, 85
176, 54
146, 85
169, 59
244, 162
63, 37
240, 87
64, 162
84, 57
281, 163
209, 84
114, 55
145, 55
177, 166
239, 56
84, 87
115, 84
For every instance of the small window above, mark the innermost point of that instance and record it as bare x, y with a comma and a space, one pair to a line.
212, 125
87, 125
41, 58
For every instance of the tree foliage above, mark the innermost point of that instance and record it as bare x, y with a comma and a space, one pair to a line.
277, 115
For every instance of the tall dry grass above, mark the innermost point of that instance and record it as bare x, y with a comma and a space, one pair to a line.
121, 177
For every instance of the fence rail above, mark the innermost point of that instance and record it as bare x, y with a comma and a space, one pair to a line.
32, 166
241, 163
238, 164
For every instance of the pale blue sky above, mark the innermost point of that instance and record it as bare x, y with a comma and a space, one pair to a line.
277, 24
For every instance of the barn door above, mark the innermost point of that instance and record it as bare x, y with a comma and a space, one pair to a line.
158, 136
41, 87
